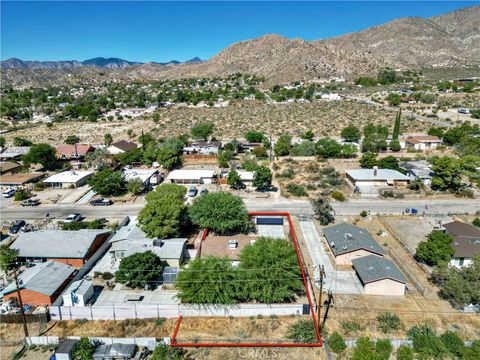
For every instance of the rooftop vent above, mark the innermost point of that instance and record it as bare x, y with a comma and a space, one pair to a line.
332, 244
344, 247
348, 236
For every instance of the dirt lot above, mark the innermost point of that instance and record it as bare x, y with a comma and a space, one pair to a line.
409, 230
324, 118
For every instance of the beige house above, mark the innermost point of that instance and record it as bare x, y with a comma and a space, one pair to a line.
422, 142
379, 276
349, 242
377, 177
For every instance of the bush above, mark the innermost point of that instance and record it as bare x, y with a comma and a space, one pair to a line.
405, 352
388, 322
453, 343
140, 269
39, 186
352, 326
287, 174
22, 194
84, 349
364, 213
337, 195
78, 225
296, 190
107, 275
302, 331
336, 342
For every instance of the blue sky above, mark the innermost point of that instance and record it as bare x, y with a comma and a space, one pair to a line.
162, 31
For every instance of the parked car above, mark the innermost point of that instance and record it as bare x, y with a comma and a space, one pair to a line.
30, 202
203, 192
17, 226
9, 193
72, 217
192, 191
101, 202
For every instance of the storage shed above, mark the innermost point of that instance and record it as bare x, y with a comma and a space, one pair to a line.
65, 349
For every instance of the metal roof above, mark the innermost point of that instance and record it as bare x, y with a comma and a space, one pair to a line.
114, 351
382, 174
68, 176
79, 287
66, 346
344, 238
56, 243
44, 278
373, 268
193, 174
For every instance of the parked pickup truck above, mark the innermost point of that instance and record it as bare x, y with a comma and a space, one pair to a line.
30, 202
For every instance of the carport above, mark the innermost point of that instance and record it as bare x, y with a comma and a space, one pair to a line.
270, 226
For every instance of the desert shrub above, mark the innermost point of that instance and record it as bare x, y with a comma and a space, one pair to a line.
302, 331
388, 322
453, 343
22, 194
364, 213
107, 275
337, 195
405, 352
296, 190
336, 342
351, 326
287, 174
39, 186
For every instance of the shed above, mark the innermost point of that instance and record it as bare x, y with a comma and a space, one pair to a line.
379, 276
114, 351
65, 349
78, 293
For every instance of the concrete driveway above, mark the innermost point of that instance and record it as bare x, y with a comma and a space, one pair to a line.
339, 282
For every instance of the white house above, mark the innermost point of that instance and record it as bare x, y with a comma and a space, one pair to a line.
376, 177
191, 176
146, 176
78, 293
422, 142
69, 179
203, 148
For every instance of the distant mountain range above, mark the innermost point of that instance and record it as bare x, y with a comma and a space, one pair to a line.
112, 63
448, 41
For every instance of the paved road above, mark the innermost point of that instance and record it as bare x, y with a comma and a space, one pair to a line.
295, 207
340, 282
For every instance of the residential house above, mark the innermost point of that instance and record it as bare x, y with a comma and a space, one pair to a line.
69, 247
121, 147
19, 180
191, 176
422, 142
379, 276
9, 167
249, 147
418, 170
72, 152
146, 176
466, 242
376, 177
69, 179
203, 148
41, 284
348, 242
14, 152
78, 293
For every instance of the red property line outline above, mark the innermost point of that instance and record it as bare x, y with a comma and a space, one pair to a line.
309, 296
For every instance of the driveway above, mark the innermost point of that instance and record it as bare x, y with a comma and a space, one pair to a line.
339, 282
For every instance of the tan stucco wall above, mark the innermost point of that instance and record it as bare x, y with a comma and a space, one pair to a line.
346, 259
385, 287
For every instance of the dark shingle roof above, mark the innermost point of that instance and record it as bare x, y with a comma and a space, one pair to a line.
344, 238
125, 145
373, 268
466, 239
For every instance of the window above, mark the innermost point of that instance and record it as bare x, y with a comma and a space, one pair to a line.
460, 262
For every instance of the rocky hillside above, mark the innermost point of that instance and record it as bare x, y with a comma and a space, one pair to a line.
451, 40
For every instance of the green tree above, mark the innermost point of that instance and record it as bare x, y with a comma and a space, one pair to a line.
388, 322
165, 352
108, 182
234, 180
387, 76
393, 99
140, 269
323, 211
348, 151
405, 352
135, 186
436, 131
368, 160
208, 280
328, 148
302, 331
389, 162
426, 343
275, 262
476, 222
262, 177
308, 135
40, 154
336, 343
8, 258
165, 211
447, 173
220, 212
169, 158
396, 127
2, 142
18, 141
366, 349
98, 159
223, 158
254, 136
84, 349
107, 139
305, 148
351, 133
283, 145
395, 145
453, 343
436, 249
202, 130
72, 140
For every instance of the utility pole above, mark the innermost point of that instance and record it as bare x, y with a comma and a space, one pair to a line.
329, 303
20, 302
321, 271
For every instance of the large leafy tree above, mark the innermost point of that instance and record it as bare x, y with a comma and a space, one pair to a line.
351, 133
84, 349
254, 136
328, 148
283, 145
168, 157
436, 249
108, 182
262, 178
323, 211
40, 154
234, 180
221, 212
389, 162
447, 173
164, 213
98, 159
202, 130
209, 280
274, 263
140, 269
368, 160
72, 140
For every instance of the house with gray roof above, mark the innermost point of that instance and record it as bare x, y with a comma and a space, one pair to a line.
67, 246
419, 169
14, 152
466, 242
376, 177
379, 276
348, 242
41, 284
